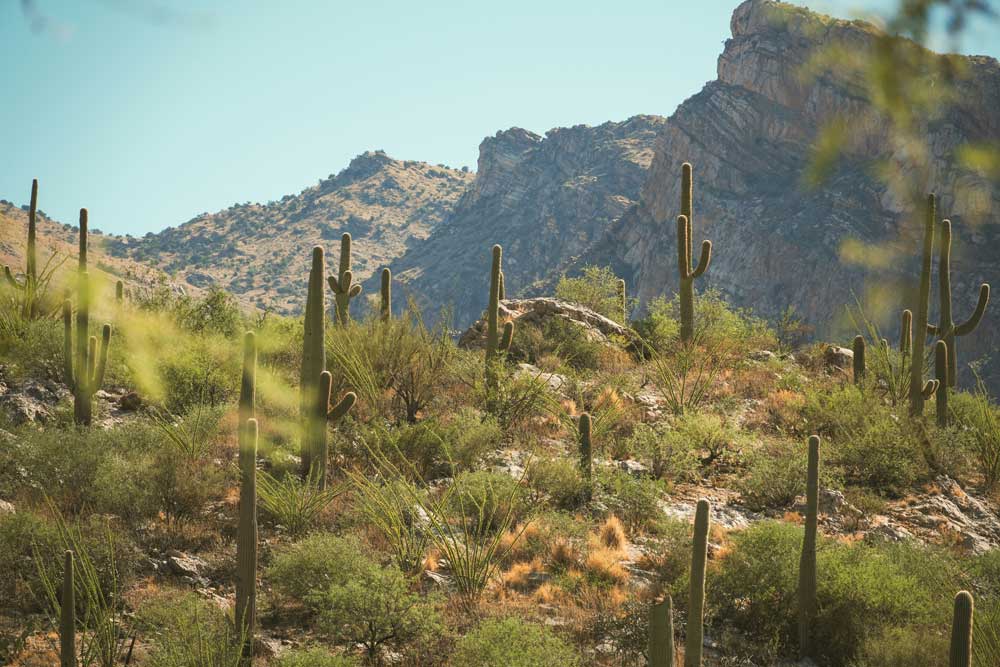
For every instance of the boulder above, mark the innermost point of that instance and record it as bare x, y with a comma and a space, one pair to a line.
838, 357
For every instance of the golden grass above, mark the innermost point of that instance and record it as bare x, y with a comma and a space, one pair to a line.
612, 534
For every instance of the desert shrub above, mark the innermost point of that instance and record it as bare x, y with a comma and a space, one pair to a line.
312, 565
517, 397
667, 451
904, 647
34, 348
979, 418
717, 325
863, 589
314, 657
514, 643
216, 312
838, 412
189, 631
560, 480
558, 337
204, 371
375, 608
182, 488
293, 503
485, 499
596, 288
634, 500
710, 434
886, 454
776, 474
389, 507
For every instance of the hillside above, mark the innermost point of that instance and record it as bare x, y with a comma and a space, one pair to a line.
255, 250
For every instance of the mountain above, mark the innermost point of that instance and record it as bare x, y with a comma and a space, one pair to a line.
778, 243
545, 199
260, 251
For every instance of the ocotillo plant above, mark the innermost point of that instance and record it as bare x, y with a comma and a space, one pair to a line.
622, 300
386, 305
326, 413
919, 390
696, 598
67, 615
961, 631
661, 633
687, 273
84, 362
942, 369
246, 541
860, 364
495, 343
313, 358
807, 560
31, 261
342, 284
946, 327
586, 454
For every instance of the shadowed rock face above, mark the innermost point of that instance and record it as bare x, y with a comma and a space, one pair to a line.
778, 243
545, 199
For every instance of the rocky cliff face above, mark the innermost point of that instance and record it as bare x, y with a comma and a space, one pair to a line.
545, 199
260, 252
777, 242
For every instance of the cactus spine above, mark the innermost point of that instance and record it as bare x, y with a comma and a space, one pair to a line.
860, 364
31, 260
84, 361
342, 284
942, 369
313, 359
961, 631
696, 600
495, 342
687, 273
586, 453
67, 615
246, 542
386, 307
807, 560
325, 413
946, 327
661, 633
919, 390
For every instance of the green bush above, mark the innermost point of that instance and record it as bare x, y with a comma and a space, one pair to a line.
313, 657
511, 642
776, 474
717, 325
189, 631
437, 448
667, 451
556, 337
977, 416
560, 480
313, 565
204, 371
863, 590
596, 288
886, 454
709, 434
376, 608
484, 498
635, 501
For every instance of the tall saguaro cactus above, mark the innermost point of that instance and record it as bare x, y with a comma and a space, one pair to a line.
326, 413
961, 631
246, 542
313, 357
919, 390
386, 295
586, 453
946, 327
84, 361
342, 284
807, 560
495, 342
942, 357
31, 260
860, 364
687, 273
67, 614
661, 633
696, 599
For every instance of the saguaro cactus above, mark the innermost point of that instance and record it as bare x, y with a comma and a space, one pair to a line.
622, 300
84, 361
687, 273
586, 453
942, 357
906, 333
31, 261
386, 305
860, 364
961, 631
67, 615
246, 541
120, 293
495, 342
342, 284
946, 327
919, 390
661, 633
807, 560
313, 358
696, 599
325, 414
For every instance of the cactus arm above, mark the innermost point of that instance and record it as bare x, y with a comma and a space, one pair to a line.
941, 370
683, 248
961, 631
97, 379
507, 337
503, 287
9, 275
704, 260
929, 389
340, 410
91, 363
345, 255
906, 333
355, 290
967, 327
68, 344
859, 359
334, 285
932, 330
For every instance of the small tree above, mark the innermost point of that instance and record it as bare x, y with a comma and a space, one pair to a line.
597, 288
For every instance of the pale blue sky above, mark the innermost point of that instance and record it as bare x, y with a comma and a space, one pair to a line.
150, 112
